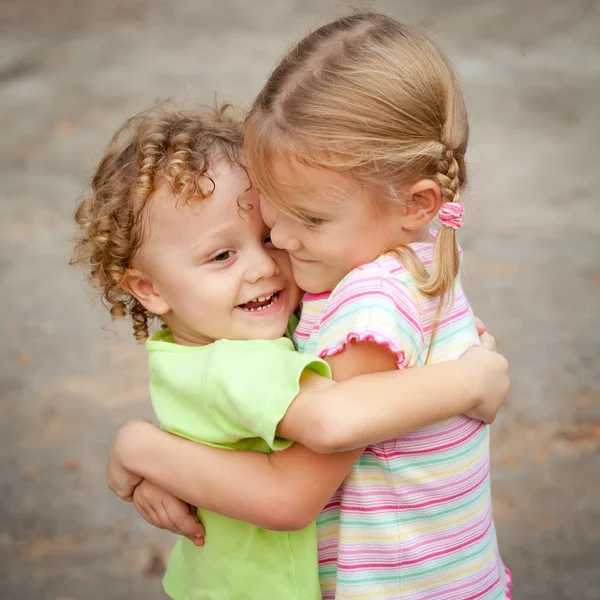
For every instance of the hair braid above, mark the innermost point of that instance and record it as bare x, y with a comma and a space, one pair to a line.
447, 175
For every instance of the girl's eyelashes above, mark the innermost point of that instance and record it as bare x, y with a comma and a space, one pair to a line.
312, 221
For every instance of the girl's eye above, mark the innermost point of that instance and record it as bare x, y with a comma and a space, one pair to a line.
312, 221
222, 256
267, 241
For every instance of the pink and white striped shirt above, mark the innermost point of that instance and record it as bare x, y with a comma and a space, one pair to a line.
413, 519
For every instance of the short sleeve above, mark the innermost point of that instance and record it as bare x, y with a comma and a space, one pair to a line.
369, 305
251, 384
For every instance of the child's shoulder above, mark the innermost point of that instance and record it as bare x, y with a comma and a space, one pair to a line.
380, 289
388, 269
383, 275
373, 304
204, 367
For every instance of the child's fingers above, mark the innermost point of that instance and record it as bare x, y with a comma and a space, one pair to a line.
190, 528
154, 513
148, 513
164, 511
144, 513
480, 326
197, 541
186, 524
488, 341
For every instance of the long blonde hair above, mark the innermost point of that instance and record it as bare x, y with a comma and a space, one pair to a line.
377, 101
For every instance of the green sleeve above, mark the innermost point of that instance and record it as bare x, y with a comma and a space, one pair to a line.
250, 385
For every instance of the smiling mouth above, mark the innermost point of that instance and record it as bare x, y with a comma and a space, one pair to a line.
261, 303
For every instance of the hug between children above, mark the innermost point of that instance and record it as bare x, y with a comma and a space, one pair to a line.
322, 388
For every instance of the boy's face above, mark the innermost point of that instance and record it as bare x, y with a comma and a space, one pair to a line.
212, 272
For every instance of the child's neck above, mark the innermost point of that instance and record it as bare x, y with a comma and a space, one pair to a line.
412, 237
182, 337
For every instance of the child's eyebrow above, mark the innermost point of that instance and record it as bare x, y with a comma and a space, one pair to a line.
213, 237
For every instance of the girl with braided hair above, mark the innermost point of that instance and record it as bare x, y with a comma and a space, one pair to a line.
357, 142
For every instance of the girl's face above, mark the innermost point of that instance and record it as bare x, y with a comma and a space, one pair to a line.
340, 226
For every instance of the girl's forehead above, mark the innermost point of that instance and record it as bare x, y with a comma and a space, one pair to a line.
299, 186
292, 175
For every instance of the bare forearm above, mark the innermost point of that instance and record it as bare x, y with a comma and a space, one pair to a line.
379, 406
285, 490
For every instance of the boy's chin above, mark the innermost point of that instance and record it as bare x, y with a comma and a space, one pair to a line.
266, 331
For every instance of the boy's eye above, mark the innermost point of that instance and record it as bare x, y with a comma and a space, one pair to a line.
222, 256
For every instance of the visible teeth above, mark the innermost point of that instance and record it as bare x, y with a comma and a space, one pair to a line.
271, 297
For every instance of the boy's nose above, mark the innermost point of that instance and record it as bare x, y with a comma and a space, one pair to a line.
262, 266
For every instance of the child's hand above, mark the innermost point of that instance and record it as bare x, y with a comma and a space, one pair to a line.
487, 341
490, 376
165, 511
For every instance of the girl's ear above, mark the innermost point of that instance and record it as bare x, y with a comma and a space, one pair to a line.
140, 286
423, 202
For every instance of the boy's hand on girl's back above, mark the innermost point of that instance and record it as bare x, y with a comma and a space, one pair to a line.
165, 511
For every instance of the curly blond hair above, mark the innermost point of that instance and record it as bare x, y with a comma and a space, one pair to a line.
160, 145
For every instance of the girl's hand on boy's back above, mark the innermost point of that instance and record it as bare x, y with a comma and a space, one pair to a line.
165, 511
489, 373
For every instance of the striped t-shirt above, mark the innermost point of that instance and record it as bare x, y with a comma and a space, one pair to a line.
413, 519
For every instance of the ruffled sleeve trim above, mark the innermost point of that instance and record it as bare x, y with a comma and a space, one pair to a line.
354, 337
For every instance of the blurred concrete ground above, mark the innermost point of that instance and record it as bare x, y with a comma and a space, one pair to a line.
71, 71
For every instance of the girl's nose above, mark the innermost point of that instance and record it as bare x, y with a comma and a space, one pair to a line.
283, 237
281, 228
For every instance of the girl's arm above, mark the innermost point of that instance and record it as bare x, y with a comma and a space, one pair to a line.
287, 490
370, 407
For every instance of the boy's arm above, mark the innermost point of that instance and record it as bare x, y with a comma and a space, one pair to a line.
372, 407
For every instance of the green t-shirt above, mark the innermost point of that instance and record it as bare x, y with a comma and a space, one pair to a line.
233, 394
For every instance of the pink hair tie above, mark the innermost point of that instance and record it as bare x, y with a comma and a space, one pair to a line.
451, 214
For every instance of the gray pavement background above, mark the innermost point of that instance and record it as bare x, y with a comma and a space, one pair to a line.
71, 71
